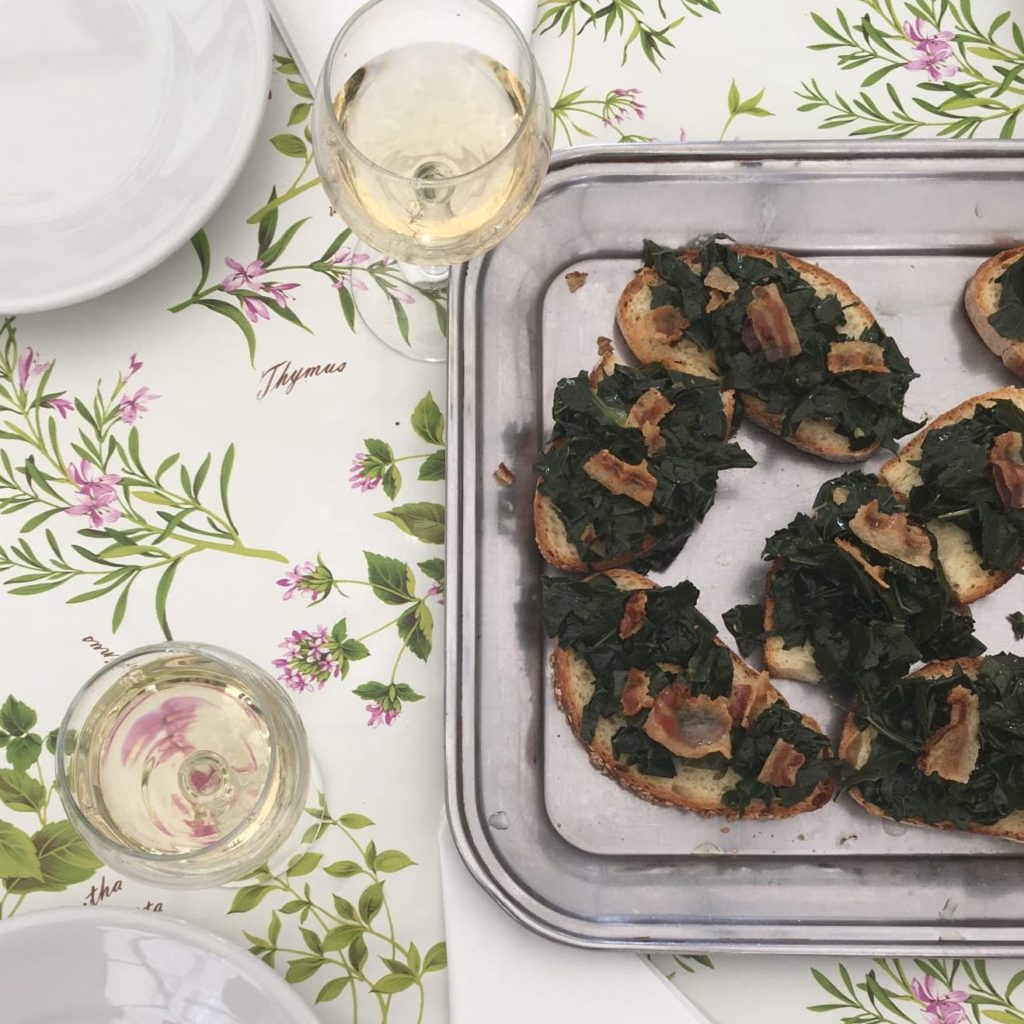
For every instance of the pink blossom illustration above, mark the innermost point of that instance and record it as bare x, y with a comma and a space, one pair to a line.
436, 591
348, 281
29, 367
279, 292
243, 277
89, 485
346, 257
61, 406
133, 406
292, 580
97, 492
358, 479
682, 134
308, 660
255, 309
379, 715
936, 51
947, 1009
403, 296
162, 733
622, 104
134, 365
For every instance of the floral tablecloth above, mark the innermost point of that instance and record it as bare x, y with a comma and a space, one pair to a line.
218, 451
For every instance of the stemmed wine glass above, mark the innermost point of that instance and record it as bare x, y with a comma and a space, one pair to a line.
432, 133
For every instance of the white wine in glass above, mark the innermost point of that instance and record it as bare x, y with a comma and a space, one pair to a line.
183, 765
432, 134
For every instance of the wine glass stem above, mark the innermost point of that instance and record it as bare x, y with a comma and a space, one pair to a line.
429, 278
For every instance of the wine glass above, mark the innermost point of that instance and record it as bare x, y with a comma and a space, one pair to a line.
432, 133
183, 765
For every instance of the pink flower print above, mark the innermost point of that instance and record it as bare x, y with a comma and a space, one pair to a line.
936, 51
279, 292
198, 825
134, 365
436, 591
99, 510
621, 104
292, 580
61, 405
403, 296
342, 255
133, 406
358, 480
92, 486
30, 366
682, 134
163, 733
379, 715
947, 1009
348, 281
242, 277
307, 660
255, 309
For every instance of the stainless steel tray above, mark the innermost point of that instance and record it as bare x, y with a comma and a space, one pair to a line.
559, 846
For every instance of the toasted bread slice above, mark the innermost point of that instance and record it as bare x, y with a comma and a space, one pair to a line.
638, 325
693, 788
782, 661
961, 562
855, 744
982, 299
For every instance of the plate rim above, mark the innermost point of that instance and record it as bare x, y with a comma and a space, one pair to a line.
184, 228
173, 927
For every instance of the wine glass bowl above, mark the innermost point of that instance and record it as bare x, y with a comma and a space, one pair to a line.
183, 765
431, 130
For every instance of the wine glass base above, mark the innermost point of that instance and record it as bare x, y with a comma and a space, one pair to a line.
409, 316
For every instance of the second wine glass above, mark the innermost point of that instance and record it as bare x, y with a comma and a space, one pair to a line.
432, 134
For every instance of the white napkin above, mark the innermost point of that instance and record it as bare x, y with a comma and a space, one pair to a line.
500, 972
308, 27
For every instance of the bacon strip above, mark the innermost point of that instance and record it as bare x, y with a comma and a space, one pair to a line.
669, 324
1008, 468
781, 765
721, 280
952, 751
605, 362
636, 696
749, 699
893, 535
651, 407
633, 614
876, 572
772, 332
620, 477
847, 356
653, 438
690, 726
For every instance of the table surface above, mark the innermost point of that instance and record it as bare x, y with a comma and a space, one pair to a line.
233, 393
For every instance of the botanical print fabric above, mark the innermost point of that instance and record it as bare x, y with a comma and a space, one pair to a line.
220, 452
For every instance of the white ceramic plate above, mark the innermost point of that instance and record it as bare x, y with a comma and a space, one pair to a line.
123, 123
98, 966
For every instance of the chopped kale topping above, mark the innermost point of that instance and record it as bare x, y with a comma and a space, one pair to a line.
860, 631
1016, 620
906, 712
1008, 319
866, 407
603, 525
746, 623
957, 484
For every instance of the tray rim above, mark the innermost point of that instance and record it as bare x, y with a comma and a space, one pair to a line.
480, 860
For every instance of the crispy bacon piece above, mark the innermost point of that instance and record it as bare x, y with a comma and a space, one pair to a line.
720, 279
1008, 468
847, 356
876, 572
504, 475
620, 477
952, 751
690, 726
652, 438
651, 407
588, 535
669, 324
893, 535
605, 366
636, 696
781, 765
771, 328
749, 699
858, 750
633, 614
576, 279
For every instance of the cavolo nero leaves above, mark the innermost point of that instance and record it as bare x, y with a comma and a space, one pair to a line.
866, 407
1008, 319
861, 633
603, 525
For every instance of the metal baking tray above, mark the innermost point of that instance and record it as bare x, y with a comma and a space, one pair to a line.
559, 846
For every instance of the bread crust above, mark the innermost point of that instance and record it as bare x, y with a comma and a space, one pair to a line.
901, 476
1011, 827
981, 300
814, 436
571, 675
